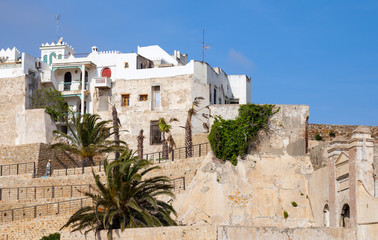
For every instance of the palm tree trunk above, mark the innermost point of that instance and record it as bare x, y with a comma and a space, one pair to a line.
87, 161
140, 144
116, 129
165, 147
188, 137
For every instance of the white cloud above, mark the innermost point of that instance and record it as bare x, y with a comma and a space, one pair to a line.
238, 58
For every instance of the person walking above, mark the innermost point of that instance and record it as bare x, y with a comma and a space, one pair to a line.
48, 168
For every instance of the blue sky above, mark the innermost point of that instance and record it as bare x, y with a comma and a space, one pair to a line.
320, 53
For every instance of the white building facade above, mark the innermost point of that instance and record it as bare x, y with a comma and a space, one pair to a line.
143, 86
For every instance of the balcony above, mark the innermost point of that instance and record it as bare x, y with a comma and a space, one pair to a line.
72, 88
102, 82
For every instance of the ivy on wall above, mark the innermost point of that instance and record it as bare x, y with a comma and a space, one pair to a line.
230, 138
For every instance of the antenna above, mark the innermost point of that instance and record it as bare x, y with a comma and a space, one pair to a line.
57, 28
204, 46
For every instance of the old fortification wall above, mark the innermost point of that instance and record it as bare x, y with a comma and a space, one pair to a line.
222, 233
340, 130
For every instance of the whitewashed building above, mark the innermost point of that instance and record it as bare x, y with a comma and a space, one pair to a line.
144, 86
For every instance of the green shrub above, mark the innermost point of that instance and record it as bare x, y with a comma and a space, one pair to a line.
230, 138
332, 134
318, 137
294, 204
286, 215
53, 236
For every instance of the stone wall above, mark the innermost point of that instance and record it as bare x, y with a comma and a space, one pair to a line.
340, 130
222, 233
12, 102
32, 229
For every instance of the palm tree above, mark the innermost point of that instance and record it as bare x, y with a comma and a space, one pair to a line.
116, 125
165, 128
188, 126
129, 199
140, 144
89, 137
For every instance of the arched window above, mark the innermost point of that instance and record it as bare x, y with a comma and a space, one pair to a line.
106, 72
60, 56
326, 215
67, 81
345, 216
45, 58
52, 55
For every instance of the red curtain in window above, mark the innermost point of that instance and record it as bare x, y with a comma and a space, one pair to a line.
106, 73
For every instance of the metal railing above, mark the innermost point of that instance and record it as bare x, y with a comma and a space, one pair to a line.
198, 150
56, 208
17, 168
28, 193
41, 210
70, 86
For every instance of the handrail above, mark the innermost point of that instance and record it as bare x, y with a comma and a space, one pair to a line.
54, 193
15, 169
56, 189
198, 150
15, 215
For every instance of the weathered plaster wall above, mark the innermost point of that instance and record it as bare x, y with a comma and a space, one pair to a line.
222, 233
367, 206
262, 233
319, 194
255, 192
174, 104
287, 129
12, 102
33, 126
318, 153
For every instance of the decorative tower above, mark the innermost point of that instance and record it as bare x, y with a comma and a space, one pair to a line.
60, 50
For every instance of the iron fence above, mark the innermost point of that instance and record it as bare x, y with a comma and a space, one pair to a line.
17, 168
41, 210
198, 150
61, 207
36, 192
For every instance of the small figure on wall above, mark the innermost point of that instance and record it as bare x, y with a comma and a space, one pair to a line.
48, 168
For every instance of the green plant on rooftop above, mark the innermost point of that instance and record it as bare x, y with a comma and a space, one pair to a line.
51, 100
230, 138
88, 136
129, 199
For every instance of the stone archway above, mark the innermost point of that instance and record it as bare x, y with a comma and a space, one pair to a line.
326, 215
345, 216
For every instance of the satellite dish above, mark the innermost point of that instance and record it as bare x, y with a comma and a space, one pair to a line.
60, 40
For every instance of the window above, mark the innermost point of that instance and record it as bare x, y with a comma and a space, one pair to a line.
45, 58
215, 96
126, 65
52, 55
67, 81
106, 72
143, 97
155, 134
125, 100
345, 216
60, 56
156, 96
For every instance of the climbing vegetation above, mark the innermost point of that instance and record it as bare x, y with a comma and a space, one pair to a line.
230, 138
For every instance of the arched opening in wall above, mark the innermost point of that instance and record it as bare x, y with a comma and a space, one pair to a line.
67, 81
345, 216
52, 55
45, 58
326, 215
60, 56
106, 72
